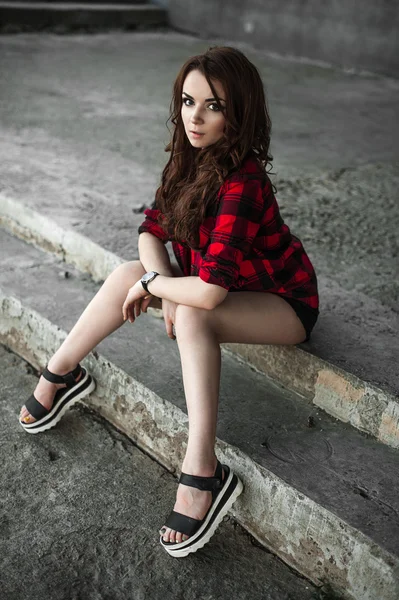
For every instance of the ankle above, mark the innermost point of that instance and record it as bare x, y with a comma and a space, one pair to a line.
60, 367
204, 467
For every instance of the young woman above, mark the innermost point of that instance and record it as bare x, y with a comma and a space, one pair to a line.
241, 276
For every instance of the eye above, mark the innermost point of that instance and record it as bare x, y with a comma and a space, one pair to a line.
213, 104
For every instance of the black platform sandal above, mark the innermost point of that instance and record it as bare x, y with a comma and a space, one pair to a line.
224, 494
64, 398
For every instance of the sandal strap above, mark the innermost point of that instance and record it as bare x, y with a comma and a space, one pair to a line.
37, 410
209, 484
182, 523
69, 378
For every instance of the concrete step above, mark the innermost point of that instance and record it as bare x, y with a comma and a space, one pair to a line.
71, 16
85, 148
318, 493
86, 493
311, 370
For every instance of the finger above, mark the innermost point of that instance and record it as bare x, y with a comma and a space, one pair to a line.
126, 308
169, 328
130, 313
124, 311
137, 308
145, 303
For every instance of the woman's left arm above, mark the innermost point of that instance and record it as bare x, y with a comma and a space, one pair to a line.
190, 290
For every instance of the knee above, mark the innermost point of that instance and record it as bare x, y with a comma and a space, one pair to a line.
127, 273
188, 319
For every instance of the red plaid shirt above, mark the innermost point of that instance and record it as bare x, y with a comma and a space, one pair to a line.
245, 244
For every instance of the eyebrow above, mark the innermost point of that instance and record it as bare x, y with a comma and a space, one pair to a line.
207, 100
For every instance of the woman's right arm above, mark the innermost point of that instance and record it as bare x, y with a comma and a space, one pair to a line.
153, 254
152, 239
154, 257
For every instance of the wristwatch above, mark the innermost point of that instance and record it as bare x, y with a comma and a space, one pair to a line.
147, 278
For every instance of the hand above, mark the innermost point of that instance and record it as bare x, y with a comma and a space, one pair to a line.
169, 310
137, 300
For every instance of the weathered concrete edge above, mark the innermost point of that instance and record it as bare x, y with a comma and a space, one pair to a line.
339, 393
72, 247
305, 535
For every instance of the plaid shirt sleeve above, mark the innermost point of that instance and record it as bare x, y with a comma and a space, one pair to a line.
240, 212
151, 225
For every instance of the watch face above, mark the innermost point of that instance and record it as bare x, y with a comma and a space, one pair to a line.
147, 276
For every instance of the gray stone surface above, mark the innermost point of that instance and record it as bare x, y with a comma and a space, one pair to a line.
80, 510
343, 470
85, 146
82, 128
343, 32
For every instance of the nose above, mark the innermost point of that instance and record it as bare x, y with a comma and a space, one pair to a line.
196, 115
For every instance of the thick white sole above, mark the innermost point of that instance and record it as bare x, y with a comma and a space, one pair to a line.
179, 550
49, 420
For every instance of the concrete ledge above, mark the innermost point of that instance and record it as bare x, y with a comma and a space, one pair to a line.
305, 535
32, 227
339, 393
40, 15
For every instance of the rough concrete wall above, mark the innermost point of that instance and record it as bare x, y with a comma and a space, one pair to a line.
163, 3
347, 33
88, 1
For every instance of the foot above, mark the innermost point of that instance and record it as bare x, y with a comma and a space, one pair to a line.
190, 501
44, 393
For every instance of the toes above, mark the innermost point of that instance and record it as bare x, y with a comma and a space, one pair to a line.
166, 535
169, 535
179, 537
26, 417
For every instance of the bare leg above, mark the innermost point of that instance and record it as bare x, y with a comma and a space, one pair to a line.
102, 316
201, 363
243, 317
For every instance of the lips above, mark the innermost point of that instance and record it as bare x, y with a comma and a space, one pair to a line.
197, 133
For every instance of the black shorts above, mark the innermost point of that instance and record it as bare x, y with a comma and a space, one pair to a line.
306, 314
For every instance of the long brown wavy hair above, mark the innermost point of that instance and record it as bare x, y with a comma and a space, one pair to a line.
192, 177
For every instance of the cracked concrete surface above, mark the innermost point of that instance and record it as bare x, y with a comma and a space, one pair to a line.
80, 511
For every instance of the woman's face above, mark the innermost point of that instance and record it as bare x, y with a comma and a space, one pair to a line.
200, 112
